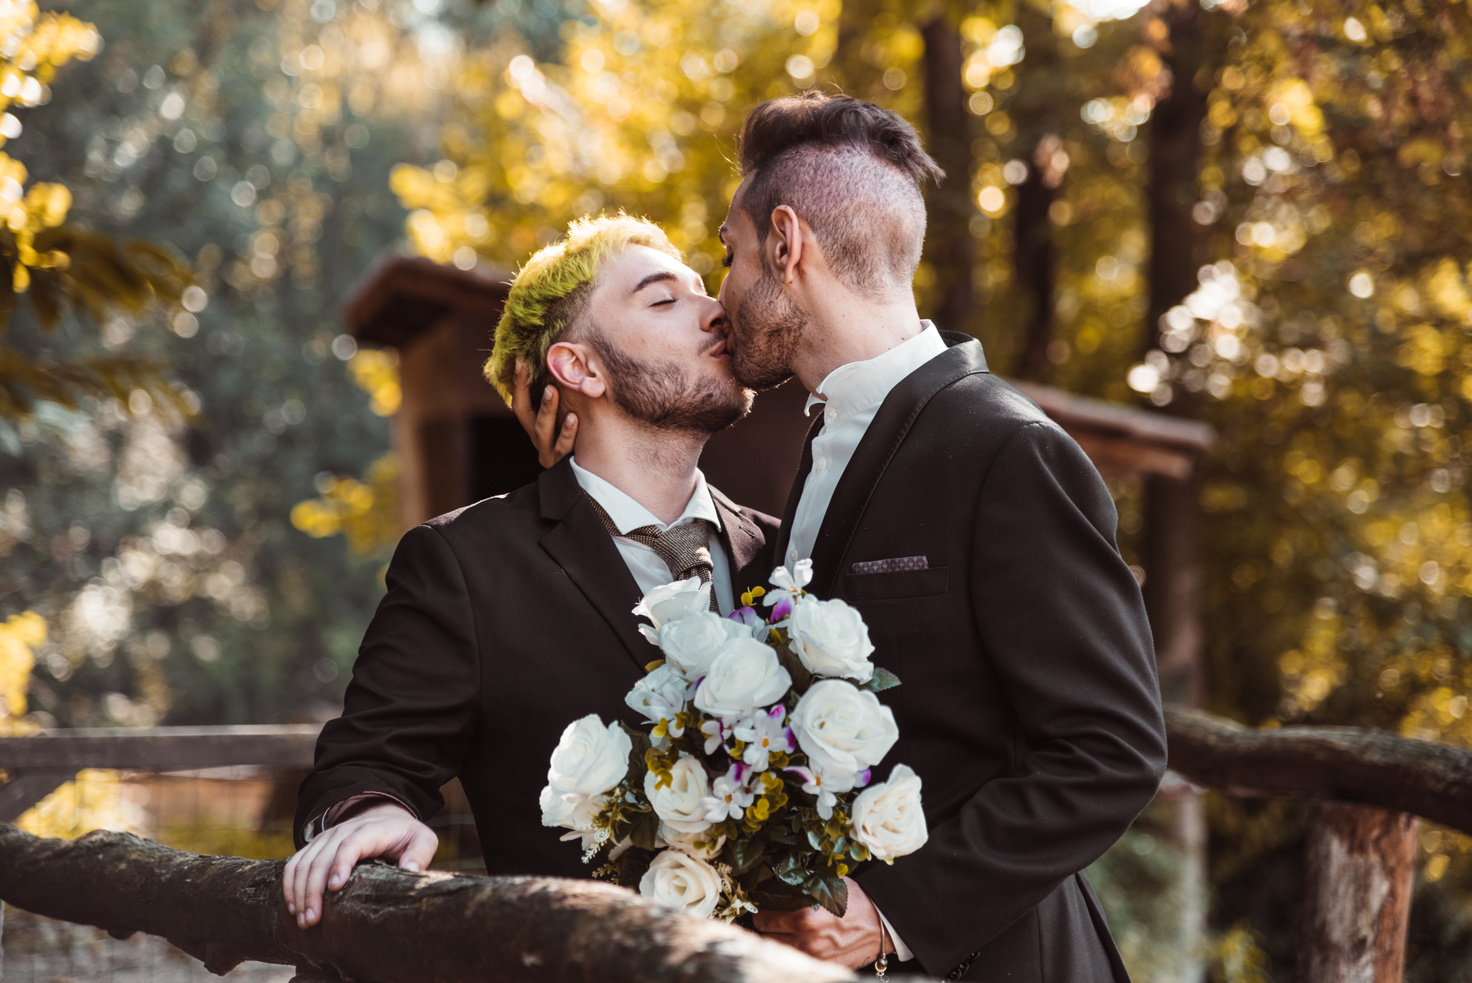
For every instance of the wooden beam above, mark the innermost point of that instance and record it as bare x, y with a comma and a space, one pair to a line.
1350, 764
388, 925
1072, 412
161, 748
1359, 869
26, 788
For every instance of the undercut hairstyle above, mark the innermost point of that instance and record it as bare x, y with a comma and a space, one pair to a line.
550, 292
852, 171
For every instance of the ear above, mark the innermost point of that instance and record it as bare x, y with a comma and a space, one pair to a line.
576, 368
787, 242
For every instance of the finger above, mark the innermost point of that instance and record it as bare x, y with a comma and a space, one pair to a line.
568, 436
300, 871
774, 921
317, 875
420, 851
546, 416
287, 883
521, 400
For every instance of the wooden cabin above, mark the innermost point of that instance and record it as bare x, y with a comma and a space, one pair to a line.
457, 442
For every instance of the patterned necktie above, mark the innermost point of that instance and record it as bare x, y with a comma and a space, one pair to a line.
685, 548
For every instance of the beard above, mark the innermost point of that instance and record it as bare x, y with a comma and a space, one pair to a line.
663, 396
768, 327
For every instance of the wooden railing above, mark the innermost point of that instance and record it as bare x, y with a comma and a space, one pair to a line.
39, 764
1360, 860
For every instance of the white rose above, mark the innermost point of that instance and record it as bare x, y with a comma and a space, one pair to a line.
678, 803
679, 880
670, 602
571, 810
698, 845
888, 819
746, 675
692, 643
660, 695
831, 639
842, 729
590, 758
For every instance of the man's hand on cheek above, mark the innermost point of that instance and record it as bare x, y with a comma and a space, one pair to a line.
539, 419
852, 941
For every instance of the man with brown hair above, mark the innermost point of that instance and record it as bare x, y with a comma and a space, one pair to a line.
976, 539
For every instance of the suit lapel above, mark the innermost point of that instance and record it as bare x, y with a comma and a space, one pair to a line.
789, 512
893, 421
740, 536
587, 554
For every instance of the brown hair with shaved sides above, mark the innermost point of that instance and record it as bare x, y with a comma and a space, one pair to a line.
852, 171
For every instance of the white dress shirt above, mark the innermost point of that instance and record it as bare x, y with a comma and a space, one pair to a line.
851, 396
648, 569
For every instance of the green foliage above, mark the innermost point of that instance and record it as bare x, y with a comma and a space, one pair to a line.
257, 142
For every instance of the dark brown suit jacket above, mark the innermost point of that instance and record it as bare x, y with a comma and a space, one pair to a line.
1030, 705
504, 622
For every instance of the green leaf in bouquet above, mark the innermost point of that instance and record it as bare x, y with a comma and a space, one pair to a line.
792, 870
802, 678
644, 830
782, 835
777, 895
747, 853
882, 680
829, 891
630, 867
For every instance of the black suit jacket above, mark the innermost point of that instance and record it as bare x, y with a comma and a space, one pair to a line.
1030, 705
504, 622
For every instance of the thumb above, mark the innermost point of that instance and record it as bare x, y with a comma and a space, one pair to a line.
420, 850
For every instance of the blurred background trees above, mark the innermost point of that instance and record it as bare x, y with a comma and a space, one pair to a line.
1248, 214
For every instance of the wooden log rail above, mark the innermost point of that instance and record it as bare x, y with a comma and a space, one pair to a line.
388, 925
1345, 764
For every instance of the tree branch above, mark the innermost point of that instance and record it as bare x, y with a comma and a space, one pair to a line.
387, 925
1349, 764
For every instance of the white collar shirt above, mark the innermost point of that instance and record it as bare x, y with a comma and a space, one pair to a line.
850, 396
648, 569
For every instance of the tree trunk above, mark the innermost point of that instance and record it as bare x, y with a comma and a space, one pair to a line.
1171, 552
387, 925
1032, 261
1359, 866
952, 251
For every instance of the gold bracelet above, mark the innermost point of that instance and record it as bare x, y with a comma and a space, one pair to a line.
881, 965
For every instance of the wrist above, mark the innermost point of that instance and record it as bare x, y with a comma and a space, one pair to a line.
369, 807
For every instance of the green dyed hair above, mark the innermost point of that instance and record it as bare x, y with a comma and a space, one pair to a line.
550, 291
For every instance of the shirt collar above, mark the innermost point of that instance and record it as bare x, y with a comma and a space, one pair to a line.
628, 514
859, 386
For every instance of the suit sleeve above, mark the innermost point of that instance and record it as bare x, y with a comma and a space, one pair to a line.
1061, 618
410, 709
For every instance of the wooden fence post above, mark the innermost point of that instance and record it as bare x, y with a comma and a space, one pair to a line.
1359, 865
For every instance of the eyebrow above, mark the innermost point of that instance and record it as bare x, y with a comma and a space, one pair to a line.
652, 278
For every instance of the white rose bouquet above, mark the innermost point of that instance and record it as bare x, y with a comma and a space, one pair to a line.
752, 790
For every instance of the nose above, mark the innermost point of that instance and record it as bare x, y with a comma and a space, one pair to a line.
713, 318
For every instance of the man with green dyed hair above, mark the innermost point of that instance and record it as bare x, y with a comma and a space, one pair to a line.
552, 289
510, 617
